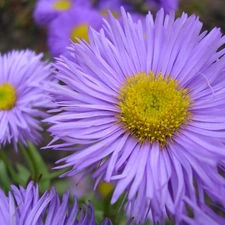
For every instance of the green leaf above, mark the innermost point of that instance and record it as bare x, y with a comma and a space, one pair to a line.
9, 167
61, 185
37, 166
4, 178
115, 212
23, 173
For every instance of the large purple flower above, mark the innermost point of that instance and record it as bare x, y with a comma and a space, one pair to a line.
22, 78
25, 206
146, 110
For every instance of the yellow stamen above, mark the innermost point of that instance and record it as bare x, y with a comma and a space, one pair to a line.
105, 188
62, 5
7, 96
153, 107
80, 31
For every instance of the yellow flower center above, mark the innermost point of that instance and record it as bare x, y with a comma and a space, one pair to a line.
152, 107
7, 96
80, 31
62, 5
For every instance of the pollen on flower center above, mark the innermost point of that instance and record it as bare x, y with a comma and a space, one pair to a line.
152, 107
80, 31
62, 5
7, 96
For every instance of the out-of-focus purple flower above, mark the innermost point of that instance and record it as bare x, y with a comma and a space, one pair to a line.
167, 5
48, 10
22, 78
25, 206
83, 186
146, 110
115, 8
71, 25
109, 4
113, 5
79, 186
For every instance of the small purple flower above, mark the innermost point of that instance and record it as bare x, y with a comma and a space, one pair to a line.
25, 206
48, 10
113, 6
145, 109
71, 25
22, 78
80, 187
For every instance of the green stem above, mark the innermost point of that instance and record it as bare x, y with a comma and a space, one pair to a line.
31, 162
111, 211
108, 212
56, 174
12, 172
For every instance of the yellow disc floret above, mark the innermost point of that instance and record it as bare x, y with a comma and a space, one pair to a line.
7, 96
62, 5
153, 107
80, 31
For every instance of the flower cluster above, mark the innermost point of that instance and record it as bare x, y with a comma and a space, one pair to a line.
138, 101
69, 20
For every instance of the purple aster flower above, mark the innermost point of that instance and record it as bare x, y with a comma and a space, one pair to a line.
109, 4
25, 206
113, 6
71, 25
47, 10
146, 110
84, 187
168, 5
22, 77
